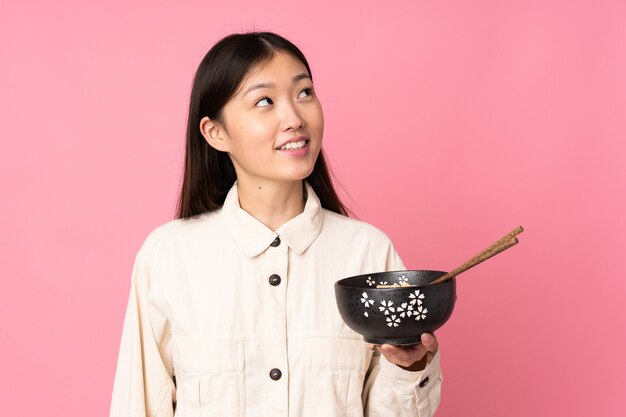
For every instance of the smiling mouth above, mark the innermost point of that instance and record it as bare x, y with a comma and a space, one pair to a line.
293, 145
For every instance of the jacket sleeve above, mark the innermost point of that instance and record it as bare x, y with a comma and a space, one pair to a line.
392, 391
144, 384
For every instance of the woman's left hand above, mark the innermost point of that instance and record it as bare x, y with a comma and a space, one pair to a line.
413, 357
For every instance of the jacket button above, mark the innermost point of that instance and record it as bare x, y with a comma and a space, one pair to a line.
274, 280
424, 382
276, 242
275, 374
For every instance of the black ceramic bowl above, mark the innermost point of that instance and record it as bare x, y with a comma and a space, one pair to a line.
396, 315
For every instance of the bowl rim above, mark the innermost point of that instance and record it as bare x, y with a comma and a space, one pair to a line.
341, 283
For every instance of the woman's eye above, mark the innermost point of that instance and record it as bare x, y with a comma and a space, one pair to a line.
308, 92
264, 102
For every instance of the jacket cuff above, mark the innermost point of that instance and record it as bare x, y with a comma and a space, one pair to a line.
418, 380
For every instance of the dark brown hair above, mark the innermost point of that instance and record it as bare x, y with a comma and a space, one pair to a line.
209, 174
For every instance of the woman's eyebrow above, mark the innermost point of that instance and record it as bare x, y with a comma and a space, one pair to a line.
257, 86
294, 80
300, 77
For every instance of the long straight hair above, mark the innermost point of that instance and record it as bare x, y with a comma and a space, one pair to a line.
209, 174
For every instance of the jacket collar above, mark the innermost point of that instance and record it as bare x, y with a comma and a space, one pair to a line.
253, 237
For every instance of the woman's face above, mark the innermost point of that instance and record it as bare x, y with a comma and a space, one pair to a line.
272, 127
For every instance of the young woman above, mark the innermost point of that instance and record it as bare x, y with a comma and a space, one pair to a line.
232, 309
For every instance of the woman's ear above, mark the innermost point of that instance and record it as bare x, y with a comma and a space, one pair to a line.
214, 134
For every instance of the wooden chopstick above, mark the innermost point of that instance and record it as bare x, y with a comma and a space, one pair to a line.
502, 244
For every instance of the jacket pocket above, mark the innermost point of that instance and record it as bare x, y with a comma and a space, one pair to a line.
335, 376
209, 376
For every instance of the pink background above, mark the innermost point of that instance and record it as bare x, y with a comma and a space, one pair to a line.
448, 122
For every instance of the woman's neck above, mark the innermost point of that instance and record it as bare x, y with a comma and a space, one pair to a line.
273, 204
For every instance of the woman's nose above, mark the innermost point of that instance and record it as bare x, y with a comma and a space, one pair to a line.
291, 118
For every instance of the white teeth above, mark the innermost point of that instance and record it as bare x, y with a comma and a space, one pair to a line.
293, 145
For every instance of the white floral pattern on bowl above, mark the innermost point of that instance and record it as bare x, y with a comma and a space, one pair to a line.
413, 307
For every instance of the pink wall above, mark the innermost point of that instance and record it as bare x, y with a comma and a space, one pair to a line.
448, 122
